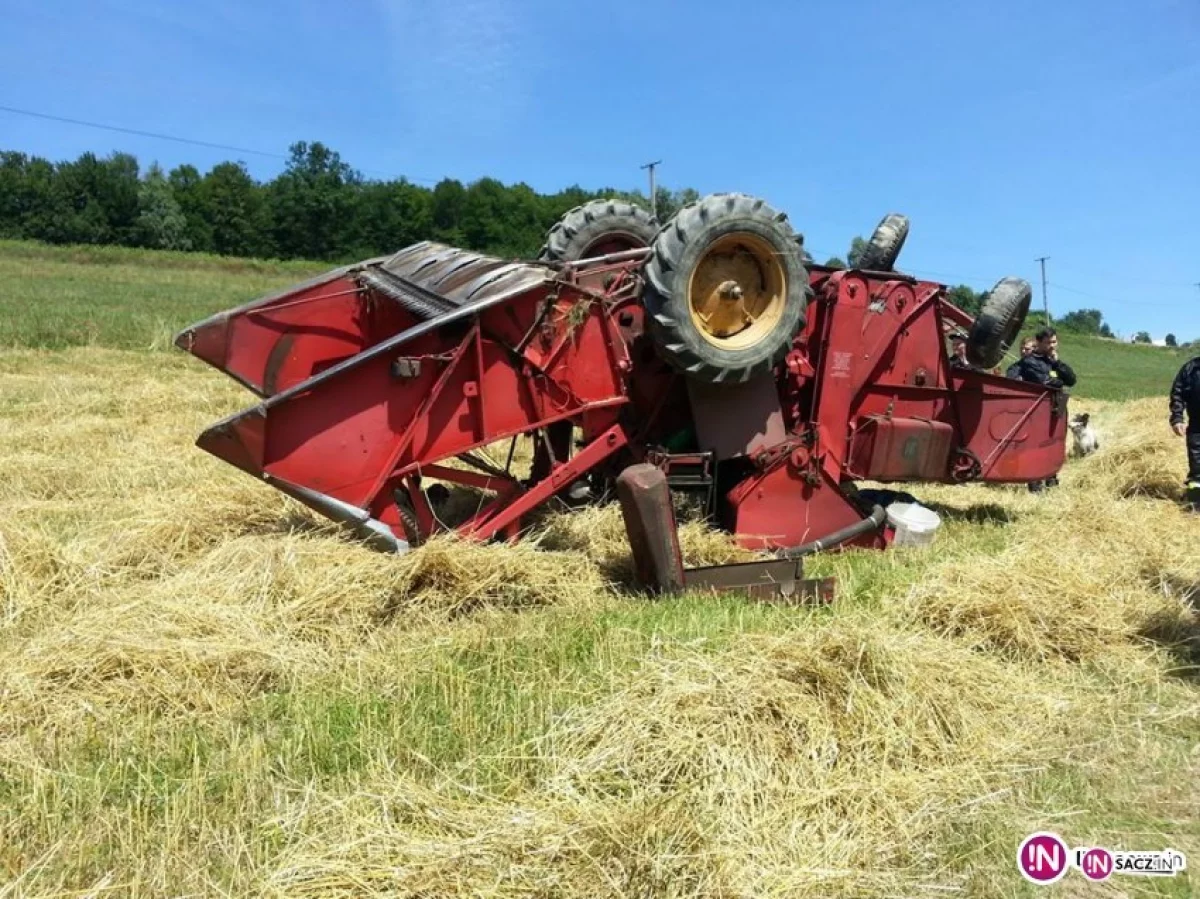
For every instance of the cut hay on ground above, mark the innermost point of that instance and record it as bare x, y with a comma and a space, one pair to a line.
207, 690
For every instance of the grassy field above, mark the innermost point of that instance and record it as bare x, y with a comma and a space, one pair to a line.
56, 297
207, 691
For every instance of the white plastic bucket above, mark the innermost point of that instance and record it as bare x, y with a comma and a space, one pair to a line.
915, 525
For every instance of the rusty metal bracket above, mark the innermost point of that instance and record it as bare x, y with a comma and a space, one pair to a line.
780, 580
658, 562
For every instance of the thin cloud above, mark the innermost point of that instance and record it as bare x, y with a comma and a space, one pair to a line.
458, 66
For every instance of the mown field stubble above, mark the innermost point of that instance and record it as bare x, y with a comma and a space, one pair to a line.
206, 690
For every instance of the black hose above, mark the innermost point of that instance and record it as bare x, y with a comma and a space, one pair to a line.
872, 522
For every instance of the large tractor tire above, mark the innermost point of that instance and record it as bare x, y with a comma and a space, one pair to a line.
883, 249
726, 288
999, 322
598, 228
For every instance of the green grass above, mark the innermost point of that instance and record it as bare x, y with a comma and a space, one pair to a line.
56, 297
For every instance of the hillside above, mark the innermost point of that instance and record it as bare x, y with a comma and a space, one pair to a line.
56, 297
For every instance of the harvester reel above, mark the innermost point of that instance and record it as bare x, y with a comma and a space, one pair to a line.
883, 249
999, 322
598, 228
726, 288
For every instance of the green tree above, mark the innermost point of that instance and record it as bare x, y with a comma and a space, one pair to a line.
858, 246
187, 185
317, 208
237, 212
312, 203
1083, 321
27, 196
390, 216
1142, 337
966, 299
834, 262
95, 200
1170, 340
446, 206
668, 202
160, 223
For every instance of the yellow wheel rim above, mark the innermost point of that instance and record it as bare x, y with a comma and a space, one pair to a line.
737, 291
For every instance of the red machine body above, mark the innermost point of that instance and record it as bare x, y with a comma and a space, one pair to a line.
373, 377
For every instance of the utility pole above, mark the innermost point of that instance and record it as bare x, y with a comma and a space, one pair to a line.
1045, 303
653, 200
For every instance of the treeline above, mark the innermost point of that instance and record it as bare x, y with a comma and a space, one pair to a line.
317, 208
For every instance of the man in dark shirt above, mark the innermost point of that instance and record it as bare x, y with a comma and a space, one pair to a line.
1014, 370
1043, 366
958, 351
1185, 398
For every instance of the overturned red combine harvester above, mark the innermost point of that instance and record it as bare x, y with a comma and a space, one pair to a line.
710, 351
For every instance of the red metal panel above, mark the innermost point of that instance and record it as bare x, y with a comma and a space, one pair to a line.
781, 508
274, 343
902, 449
346, 435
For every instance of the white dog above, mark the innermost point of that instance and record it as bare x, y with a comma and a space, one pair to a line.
1085, 436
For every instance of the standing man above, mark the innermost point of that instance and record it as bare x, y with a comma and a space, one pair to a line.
1042, 366
1185, 397
958, 350
1027, 347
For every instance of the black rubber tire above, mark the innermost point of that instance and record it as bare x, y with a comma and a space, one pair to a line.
600, 221
883, 249
680, 246
999, 322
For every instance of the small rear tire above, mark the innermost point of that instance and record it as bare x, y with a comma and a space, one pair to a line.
883, 249
598, 228
999, 322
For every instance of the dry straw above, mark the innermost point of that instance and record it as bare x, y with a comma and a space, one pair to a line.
144, 588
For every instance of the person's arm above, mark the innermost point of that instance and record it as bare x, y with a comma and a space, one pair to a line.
1176, 399
1066, 374
1014, 371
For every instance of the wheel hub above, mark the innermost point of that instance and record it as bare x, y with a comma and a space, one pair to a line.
737, 291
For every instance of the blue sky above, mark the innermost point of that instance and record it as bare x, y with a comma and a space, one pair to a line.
1006, 131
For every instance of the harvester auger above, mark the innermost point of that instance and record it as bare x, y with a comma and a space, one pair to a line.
708, 350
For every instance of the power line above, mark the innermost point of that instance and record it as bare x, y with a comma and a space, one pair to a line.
1094, 296
139, 133
182, 140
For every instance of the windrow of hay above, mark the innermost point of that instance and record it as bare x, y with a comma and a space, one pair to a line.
1089, 576
398, 837
816, 762
1139, 454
